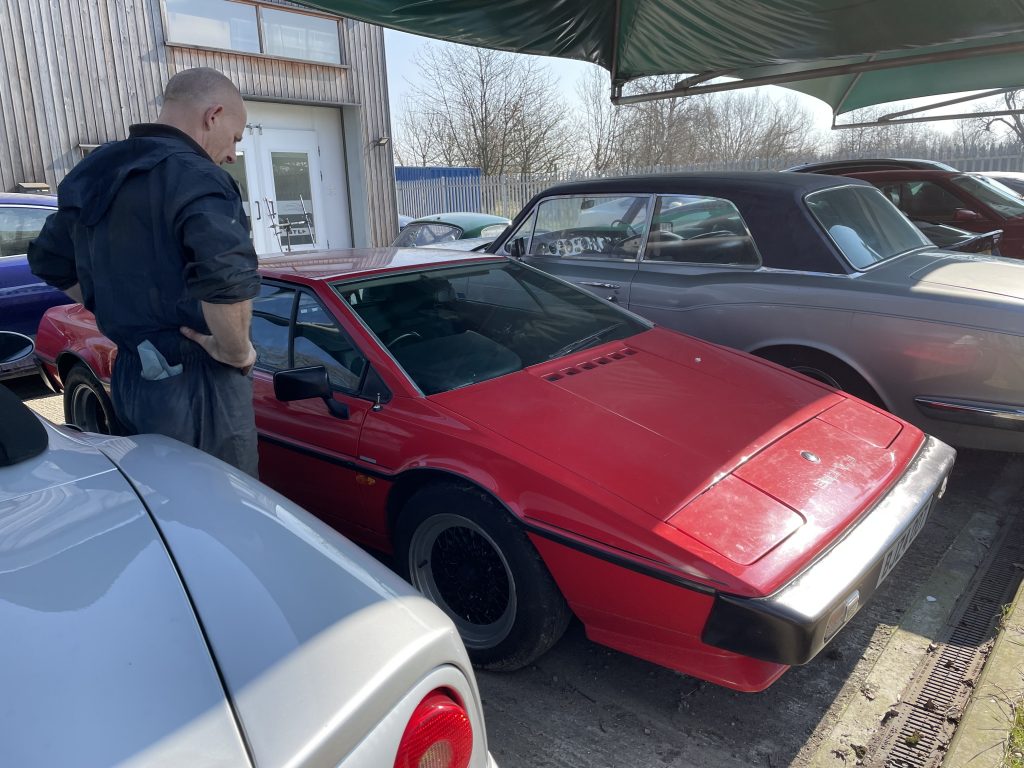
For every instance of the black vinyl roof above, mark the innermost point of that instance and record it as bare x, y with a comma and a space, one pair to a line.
770, 202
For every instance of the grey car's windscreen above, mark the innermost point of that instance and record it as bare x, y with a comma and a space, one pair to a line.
456, 326
863, 224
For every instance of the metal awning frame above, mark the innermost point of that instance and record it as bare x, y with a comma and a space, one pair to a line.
698, 84
901, 117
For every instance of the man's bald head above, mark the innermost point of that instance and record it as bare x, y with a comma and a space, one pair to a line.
201, 86
207, 106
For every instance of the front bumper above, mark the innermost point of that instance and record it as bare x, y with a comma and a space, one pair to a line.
794, 624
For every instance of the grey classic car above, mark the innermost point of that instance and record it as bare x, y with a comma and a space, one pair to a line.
161, 608
820, 274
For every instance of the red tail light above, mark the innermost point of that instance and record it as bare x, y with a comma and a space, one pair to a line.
439, 735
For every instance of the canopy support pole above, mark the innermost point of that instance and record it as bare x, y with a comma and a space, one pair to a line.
898, 118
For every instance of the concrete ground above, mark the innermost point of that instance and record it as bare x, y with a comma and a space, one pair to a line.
585, 706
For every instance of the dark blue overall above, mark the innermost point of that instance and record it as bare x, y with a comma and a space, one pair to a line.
149, 227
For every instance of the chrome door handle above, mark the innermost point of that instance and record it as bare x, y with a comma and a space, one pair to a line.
258, 214
609, 286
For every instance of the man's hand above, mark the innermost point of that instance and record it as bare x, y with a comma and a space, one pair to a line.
228, 341
218, 353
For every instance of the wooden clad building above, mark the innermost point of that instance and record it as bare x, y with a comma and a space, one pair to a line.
316, 161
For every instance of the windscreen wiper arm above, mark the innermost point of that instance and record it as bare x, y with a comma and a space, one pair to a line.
586, 341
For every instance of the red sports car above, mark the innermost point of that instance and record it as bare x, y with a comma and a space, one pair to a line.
529, 452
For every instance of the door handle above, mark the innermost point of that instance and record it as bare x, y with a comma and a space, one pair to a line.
258, 214
609, 286
270, 206
613, 299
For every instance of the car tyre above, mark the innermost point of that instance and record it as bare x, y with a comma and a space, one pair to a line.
86, 404
470, 557
826, 369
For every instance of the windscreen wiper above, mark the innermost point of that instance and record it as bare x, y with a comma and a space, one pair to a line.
586, 341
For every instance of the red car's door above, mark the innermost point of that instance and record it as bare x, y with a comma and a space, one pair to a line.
306, 453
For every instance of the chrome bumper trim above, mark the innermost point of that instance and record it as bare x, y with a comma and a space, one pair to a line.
789, 626
971, 412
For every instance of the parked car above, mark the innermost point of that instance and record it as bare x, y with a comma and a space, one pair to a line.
23, 296
528, 452
970, 201
955, 239
858, 165
447, 227
1012, 179
162, 608
404, 221
819, 273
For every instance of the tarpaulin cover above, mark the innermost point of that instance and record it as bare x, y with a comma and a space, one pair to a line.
741, 38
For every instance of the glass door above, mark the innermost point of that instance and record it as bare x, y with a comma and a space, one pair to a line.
290, 166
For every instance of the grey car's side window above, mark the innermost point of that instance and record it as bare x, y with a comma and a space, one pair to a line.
693, 229
590, 227
319, 340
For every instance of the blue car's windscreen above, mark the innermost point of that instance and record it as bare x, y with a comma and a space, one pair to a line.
455, 326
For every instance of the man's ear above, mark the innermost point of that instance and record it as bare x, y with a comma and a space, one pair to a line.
212, 114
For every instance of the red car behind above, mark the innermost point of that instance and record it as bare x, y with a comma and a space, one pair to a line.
529, 452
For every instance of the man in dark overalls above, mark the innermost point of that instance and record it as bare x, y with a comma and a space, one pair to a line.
150, 236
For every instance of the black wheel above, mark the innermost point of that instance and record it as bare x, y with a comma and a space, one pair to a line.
471, 558
826, 369
86, 404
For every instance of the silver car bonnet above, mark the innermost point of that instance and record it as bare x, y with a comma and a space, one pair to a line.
998, 276
316, 641
103, 662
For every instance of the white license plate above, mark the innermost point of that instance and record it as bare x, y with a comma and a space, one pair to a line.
902, 544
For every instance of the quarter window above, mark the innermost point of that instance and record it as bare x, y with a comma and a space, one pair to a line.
271, 316
426, 234
699, 230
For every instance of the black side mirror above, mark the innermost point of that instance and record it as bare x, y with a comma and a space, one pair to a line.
517, 248
306, 384
14, 347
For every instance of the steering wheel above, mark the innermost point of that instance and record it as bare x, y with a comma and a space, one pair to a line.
633, 231
403, 337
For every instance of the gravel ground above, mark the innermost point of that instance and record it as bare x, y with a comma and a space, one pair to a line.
585, 706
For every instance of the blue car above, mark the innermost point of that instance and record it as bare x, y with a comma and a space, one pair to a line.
23, 296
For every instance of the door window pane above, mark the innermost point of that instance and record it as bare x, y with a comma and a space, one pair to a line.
271, 315
294, 203
298, 36
699, 230
213, 24
928, 201
590, 227
319, 341
19, 227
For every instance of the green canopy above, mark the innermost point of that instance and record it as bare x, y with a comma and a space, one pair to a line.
967, 45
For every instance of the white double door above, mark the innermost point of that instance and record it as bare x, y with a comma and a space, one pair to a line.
278, 172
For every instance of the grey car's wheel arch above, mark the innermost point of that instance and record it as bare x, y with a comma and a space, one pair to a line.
840, 366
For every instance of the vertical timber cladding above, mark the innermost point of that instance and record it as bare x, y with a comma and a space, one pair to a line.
79, 72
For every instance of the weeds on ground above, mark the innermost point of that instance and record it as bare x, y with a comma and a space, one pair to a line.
1015, 742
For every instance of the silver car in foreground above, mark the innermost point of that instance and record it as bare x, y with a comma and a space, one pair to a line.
162, 609
821, 274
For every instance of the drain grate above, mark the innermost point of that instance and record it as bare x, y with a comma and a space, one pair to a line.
916, 731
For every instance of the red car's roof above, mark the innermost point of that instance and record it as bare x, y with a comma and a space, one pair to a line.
351, 263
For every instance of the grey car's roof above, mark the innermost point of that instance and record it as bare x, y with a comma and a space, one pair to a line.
771, 203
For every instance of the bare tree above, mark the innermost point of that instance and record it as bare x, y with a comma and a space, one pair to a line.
601, 125
749, 125
497, 111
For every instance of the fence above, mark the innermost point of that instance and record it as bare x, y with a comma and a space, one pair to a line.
506, 195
